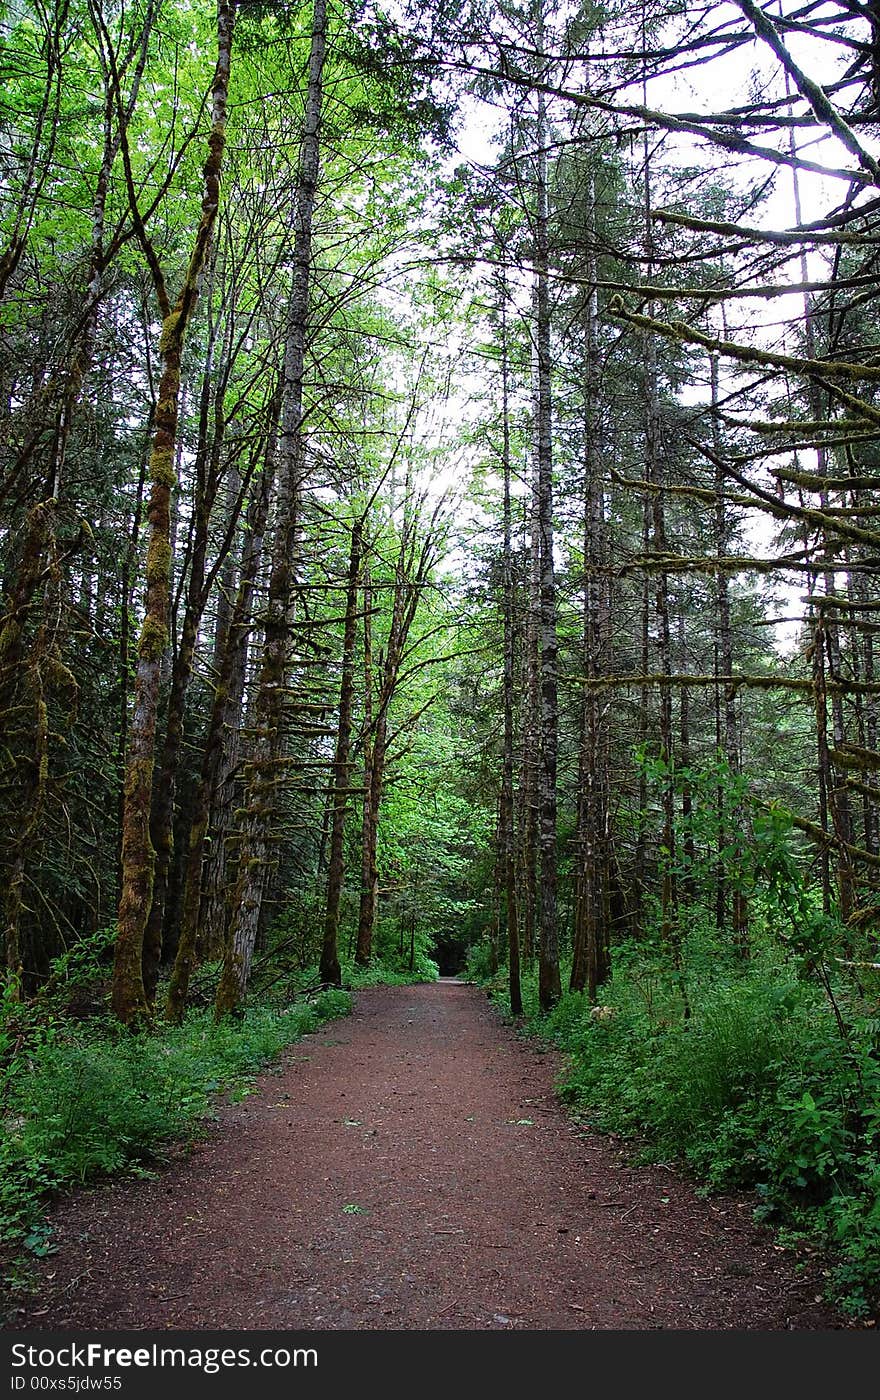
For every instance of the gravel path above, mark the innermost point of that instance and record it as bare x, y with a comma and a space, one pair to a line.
409, 1168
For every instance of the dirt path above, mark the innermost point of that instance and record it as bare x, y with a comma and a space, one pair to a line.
409, 1168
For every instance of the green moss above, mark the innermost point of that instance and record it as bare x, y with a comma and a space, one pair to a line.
162, 467
139, 774
10, 635
158, 560
229, 994
63, 681
169, 328
153, 640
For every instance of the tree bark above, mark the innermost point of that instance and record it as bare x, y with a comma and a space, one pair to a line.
592, 912
412, 569
165, 785
726, 715
375, 752
531, 738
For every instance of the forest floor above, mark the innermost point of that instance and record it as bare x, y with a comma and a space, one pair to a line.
410, 1168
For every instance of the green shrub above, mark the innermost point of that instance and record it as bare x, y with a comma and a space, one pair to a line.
389, 971
480, 964
83, 964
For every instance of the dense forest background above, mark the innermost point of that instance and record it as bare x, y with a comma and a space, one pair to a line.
439, 485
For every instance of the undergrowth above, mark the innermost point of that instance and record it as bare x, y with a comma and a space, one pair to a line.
756, 1089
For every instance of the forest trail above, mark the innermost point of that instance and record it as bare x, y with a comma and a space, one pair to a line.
409, 1168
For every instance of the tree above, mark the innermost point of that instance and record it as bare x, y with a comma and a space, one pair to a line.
129, 995
273, 673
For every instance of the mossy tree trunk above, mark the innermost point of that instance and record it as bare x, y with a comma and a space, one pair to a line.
375, 752
128, 994
369, 900
234, 552
726, 726
654, 471
412, 569
531, 740
688, 845
866, 706
207, 474
637, 903
21, 693
655, 476
217, 877
126, 590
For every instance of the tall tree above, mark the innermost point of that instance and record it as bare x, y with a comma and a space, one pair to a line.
129, 996
330, 970
507, 829
549, 985
263, 765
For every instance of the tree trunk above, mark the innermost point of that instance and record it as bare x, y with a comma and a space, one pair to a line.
590, 943
549, 986
369, 883
330, 970
834, 798
531, 739
411, 573
726, 721
689, 849
165, 786
125, 605
655, 476
507, 837
128, 994
22, 690
374, 776
640, 853
227, 699
262, 774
